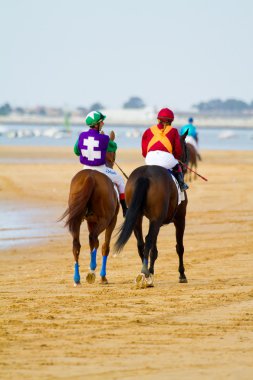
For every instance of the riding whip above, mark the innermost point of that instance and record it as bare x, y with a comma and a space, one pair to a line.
187, 167
124, 174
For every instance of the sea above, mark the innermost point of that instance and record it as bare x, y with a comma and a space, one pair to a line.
211, 138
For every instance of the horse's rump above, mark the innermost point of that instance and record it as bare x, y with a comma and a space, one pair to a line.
92, 195
104, 197
161, 196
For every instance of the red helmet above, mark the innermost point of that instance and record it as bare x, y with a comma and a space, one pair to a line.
165, 115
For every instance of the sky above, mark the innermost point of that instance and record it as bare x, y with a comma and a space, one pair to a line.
173, 53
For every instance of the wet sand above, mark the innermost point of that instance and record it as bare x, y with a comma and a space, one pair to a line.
199, 330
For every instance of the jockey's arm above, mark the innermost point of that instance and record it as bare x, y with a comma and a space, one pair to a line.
76, 149
177, 149
144, 143
111, 151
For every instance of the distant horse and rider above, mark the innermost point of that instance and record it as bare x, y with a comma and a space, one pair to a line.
193, 155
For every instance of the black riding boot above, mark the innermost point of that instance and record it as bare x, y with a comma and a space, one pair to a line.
124, 206
180, 179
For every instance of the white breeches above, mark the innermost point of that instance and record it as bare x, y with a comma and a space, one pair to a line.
160, 158
116, 178
193, 142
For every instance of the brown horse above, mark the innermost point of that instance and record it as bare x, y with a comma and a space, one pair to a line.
152, 192
92, 198
192, 161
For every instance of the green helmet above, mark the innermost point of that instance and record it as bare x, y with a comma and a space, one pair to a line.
94, 117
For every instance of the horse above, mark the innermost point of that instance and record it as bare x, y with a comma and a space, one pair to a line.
151, 192
92, 198
192, 161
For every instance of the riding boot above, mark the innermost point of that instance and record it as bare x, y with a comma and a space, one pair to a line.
124, 206
177, 171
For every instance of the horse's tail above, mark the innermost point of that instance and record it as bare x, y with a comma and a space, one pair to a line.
134, 210
78, 201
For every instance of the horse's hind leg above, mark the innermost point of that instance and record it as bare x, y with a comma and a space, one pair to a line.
106, 249
76, 251
179, 223
94, 244
139, 236
150, 246
153, 253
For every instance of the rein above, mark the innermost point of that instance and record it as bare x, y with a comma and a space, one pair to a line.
124, 174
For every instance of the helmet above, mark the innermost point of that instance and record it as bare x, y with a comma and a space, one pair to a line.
165, 115
190, 120
94, 117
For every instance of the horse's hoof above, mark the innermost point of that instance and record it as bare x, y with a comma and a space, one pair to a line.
103, 281
183, 280
77, 284
150, 281
140, 281
91, 277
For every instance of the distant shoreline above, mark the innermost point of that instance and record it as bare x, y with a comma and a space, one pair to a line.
135, 118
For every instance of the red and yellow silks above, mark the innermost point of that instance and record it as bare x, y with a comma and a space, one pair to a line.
159, 135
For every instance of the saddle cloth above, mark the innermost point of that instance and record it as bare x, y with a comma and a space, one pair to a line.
193, 142
181, 196
116, 191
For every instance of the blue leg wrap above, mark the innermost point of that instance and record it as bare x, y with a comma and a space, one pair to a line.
103, 269
77, 277
145, 262
93, 259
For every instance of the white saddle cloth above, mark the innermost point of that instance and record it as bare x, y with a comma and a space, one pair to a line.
193, 142
116, 191
181, 196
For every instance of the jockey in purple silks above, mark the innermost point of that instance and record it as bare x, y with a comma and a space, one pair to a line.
92, 146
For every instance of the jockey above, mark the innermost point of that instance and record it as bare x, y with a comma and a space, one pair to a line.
92, 146
192, 137
161, 146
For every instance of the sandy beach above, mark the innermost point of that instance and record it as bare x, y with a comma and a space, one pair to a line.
200, 330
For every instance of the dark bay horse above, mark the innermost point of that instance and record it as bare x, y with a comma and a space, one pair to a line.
152, 192
92, 198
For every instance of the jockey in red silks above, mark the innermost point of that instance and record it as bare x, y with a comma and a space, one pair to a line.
92, 146
161, 145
